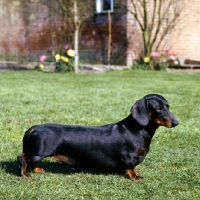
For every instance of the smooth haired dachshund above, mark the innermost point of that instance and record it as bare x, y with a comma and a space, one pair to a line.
119, 146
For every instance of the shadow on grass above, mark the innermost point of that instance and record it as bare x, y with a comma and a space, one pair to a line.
11, 167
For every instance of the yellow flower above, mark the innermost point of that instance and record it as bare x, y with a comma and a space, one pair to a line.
65, 59
146, 59
41, 66
71, 53
57, 57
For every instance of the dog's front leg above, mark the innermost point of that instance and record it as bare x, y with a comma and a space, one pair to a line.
133, 174
131, 160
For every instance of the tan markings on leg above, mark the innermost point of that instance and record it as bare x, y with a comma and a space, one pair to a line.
36, 169
60, 158
24, 173
23, 169
133, 175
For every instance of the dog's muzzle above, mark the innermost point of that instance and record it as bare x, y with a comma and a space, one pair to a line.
174, 122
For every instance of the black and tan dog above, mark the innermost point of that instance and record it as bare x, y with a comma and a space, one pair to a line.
116, 147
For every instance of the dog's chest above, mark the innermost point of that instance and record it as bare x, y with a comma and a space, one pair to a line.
140, 147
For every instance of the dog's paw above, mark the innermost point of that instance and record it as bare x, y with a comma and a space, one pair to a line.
38, 170
133, 175
25, 175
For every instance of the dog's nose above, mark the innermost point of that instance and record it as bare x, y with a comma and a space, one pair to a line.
175, 122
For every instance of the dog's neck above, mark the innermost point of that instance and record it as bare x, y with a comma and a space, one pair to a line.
151, 128
130, 123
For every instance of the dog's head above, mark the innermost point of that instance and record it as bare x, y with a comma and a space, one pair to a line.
153, 107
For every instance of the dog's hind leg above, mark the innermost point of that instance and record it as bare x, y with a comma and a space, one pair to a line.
35, 168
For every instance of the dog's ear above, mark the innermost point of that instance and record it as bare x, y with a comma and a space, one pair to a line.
140, 113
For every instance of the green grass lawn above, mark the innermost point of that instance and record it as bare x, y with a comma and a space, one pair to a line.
171, 170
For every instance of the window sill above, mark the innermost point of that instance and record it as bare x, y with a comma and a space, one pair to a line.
103, 12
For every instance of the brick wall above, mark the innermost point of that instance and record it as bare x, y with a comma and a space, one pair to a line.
26, 28
184, 39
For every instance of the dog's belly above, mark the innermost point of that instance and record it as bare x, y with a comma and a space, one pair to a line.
91, 162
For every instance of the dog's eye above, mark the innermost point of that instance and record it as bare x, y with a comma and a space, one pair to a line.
159, 108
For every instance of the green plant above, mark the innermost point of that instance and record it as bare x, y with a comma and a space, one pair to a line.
157, 61
65, 63
163, 59
57, 63
143, 64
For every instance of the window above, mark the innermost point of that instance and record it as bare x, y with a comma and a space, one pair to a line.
104, 6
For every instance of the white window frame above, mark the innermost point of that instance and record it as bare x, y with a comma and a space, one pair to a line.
99, 6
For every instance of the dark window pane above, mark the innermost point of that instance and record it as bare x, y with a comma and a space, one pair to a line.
106, 4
